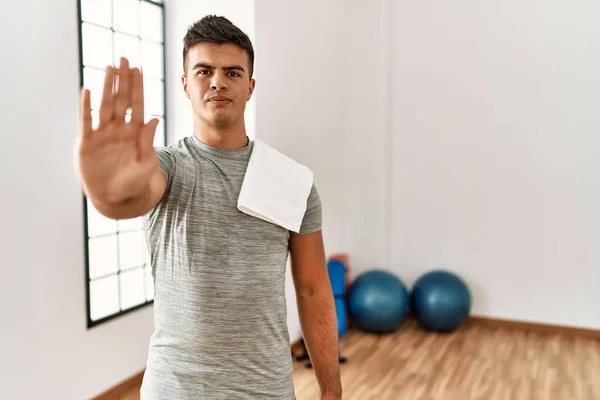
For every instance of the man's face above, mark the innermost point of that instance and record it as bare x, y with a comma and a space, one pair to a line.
217, 81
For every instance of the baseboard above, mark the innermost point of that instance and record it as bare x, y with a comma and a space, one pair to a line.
535, 327
122, 388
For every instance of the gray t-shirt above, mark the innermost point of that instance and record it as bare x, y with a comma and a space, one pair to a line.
219, 275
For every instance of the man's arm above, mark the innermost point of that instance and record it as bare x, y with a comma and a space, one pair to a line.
316, 308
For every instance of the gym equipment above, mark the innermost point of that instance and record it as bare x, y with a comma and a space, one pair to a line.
378, 302
345, 259
337, 277
441, 301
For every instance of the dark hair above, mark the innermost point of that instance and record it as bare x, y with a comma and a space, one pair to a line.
219, 30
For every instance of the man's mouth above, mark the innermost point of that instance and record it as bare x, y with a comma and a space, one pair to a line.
220, 99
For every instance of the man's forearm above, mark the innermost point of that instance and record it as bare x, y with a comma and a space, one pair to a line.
318, 320
125, 209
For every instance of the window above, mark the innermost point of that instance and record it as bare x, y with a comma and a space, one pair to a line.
118, 274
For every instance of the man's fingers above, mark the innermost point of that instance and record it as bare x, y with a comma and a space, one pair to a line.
123, 94
86, 114
106, 105
146, 138
137, 98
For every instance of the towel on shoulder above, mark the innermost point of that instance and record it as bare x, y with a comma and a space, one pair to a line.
275, 187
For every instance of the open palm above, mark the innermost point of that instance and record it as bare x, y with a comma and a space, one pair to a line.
117, 158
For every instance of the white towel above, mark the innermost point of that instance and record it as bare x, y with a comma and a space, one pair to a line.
275, 187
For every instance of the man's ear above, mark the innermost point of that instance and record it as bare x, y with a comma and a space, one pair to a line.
251, 89
184, 84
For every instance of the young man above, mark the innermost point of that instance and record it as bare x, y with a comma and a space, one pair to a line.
220, 307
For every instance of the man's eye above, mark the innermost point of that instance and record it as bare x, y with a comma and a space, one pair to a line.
204, 72
233, 73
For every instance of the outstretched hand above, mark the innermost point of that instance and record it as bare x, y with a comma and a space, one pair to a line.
116, 159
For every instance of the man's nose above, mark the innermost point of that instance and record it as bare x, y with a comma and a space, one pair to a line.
218, 81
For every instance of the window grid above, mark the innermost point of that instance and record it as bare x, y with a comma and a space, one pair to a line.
121, 228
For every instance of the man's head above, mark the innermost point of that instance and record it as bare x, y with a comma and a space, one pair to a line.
218, 64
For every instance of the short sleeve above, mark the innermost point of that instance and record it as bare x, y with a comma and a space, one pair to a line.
313, 217
166, 162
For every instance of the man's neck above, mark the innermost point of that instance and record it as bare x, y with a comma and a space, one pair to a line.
231, 137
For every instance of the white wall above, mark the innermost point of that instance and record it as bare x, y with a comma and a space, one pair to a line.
318, 102
496, 153
46, 352
179, 15
494, 157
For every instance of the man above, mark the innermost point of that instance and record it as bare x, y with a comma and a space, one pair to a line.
220, 310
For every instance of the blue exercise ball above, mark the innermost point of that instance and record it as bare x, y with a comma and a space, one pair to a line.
441, 301
378, 302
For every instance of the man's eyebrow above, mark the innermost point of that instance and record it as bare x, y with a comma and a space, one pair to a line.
227, 68
234, 67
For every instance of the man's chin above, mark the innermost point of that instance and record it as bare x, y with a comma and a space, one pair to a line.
221, 120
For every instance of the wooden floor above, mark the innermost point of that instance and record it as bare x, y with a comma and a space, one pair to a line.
476, 362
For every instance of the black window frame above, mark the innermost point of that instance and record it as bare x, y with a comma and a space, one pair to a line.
90, 322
